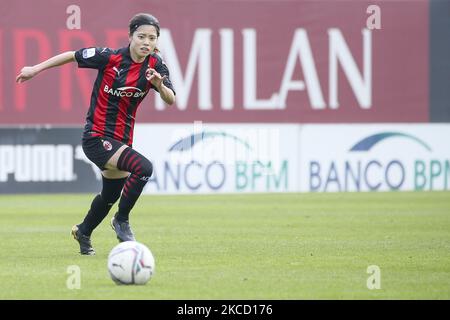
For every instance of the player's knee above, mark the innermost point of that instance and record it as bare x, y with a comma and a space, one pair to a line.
145, 170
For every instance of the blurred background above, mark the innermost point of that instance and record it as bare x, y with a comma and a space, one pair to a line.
272, 96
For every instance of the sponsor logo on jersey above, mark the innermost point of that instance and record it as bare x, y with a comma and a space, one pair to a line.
129, 92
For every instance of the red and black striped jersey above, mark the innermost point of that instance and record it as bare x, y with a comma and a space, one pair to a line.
120, 87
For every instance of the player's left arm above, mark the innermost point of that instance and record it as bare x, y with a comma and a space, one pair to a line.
166, 94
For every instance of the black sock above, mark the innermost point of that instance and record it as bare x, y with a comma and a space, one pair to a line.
101, 204
141, 170
99, 210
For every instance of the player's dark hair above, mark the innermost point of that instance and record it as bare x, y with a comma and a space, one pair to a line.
143, 19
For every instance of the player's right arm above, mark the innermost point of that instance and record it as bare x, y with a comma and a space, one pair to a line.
29, 72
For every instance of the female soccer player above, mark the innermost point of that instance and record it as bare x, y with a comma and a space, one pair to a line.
124, 78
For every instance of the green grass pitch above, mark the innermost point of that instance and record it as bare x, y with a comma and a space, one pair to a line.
261, 246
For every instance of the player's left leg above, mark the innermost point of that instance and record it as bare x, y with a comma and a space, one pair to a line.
140, 169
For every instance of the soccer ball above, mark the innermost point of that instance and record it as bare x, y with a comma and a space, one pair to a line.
131, 262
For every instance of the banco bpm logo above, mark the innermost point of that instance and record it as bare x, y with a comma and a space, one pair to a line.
219, 161
382, 161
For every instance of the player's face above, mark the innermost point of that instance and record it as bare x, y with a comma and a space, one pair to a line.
143, 41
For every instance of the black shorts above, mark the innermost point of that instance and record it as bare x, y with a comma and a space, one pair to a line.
100, 149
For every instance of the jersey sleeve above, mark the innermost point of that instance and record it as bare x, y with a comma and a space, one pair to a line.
93, 58
162, 69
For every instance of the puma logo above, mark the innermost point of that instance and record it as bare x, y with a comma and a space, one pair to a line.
118, 265
117, 71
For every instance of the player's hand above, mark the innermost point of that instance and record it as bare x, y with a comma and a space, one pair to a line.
26, 74
156, 79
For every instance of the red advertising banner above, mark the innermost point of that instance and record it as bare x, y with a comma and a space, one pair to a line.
230, 61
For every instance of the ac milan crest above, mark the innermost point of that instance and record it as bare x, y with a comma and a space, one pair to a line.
107, 145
